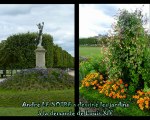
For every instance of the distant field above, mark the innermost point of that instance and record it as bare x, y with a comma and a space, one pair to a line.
89, 51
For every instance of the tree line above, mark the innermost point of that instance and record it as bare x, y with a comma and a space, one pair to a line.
100, 40
18, 52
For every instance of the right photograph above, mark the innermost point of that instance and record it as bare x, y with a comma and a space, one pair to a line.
114, 60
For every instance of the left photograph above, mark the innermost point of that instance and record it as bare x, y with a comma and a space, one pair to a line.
37, 60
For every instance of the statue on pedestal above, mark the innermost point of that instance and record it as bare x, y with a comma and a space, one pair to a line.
40, 51
40, 27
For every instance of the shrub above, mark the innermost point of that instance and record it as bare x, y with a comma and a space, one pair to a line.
95, 64
127, 49
113, 88
39, 79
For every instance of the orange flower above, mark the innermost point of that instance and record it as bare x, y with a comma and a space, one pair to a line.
114, 87
140, 101
124, 96
87, 84
126, 85
110, 94
118, 96
122, 90
140, 93
141, 106
117, 87
108, 82
92, 83
101, 77
100, 87
146, 102
120, 80
114, 96
136, 96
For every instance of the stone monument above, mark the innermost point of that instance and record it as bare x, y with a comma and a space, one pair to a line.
40, 51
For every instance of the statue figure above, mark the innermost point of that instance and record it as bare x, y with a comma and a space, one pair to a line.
40, 27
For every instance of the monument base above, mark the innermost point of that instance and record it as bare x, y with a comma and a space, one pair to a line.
40, 57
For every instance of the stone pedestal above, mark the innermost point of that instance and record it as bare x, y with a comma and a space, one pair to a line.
40, 57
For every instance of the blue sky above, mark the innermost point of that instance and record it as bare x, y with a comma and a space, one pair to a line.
97, 19
58, 21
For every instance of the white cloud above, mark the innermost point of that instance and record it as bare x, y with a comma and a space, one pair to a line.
97, 19
58, 19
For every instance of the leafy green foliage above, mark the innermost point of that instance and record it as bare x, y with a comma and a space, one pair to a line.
128, 49
18, 52
87, 41
94, 64
101, 40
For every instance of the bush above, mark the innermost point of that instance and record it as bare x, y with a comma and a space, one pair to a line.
95, 64
127, 49
39, 79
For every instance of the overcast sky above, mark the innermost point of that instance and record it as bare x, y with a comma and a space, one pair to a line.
58, 21
97, 19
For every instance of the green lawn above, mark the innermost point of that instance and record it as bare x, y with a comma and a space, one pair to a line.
11, 101
89, 51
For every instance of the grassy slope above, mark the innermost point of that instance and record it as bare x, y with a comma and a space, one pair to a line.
11, 101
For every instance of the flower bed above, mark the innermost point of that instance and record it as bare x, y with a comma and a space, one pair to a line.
115, 89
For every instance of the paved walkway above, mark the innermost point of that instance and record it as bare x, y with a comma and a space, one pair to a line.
71, 72
1, 79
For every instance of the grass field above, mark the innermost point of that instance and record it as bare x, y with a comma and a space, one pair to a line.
11, 101
89, 51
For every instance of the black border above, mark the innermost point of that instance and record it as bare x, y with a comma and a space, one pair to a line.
77, 57
76, 42
39, 2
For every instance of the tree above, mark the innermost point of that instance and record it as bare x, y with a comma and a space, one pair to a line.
19, 49
18, 52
